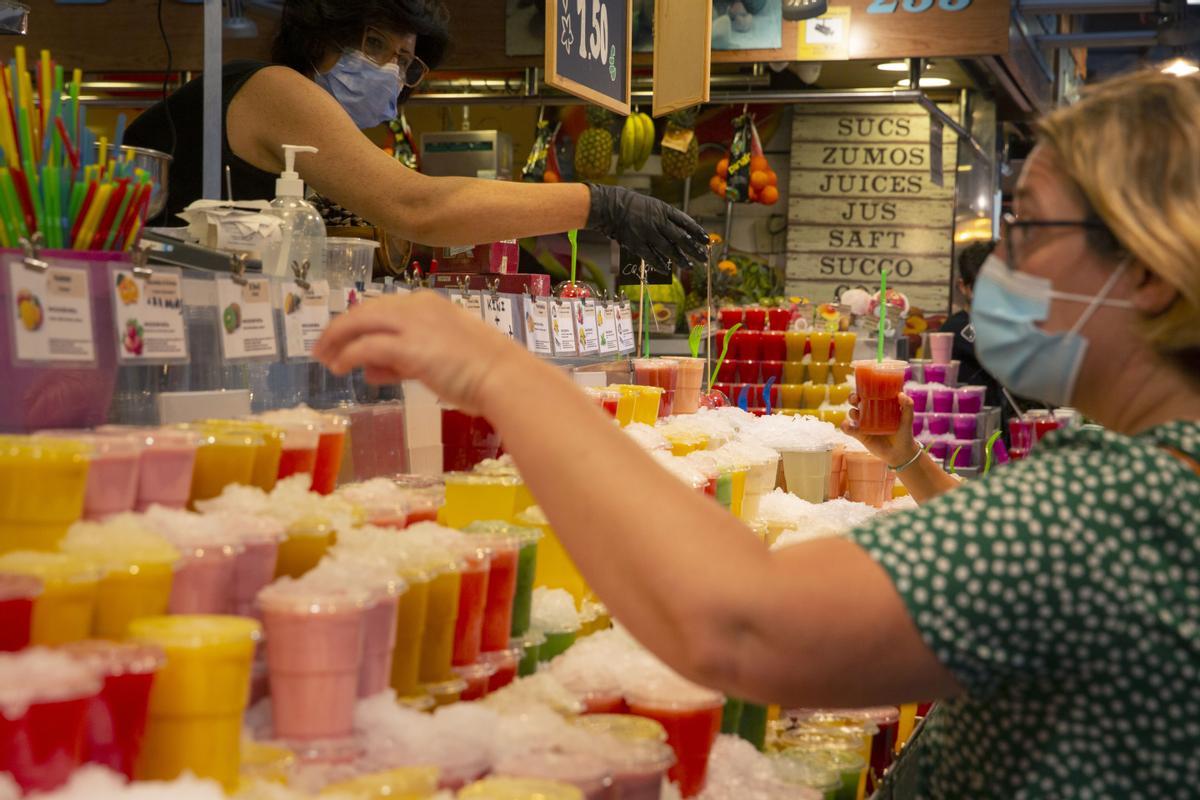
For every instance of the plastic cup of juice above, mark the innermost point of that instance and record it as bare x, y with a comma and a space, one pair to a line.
64, 610
113, 470
504, 666
731, 716
437, 643
224, 457
478, 678
730, 316
791, 396
796, 344
257, 559
843, 346
623, 727
519, 789
587, 773
557, 642
269, 453
969, 399
965, 426
939, 424
117, 717
411, 611
813, 394
837, 472
472, 606
44, 701
940, 347
471, 498
206, 579
165, 470
43, 483
920, 397
692, 720
198, 697
527, 560
778, 319
866, 479
554, 567
818, 373
689, 385
17, 596
878, 386
840, 372
661, 372
447, 692
752, 727
839, 394
531, 646
506, 544
314, 637
626, 403
806, 470
774, 346
649, 399
137, 571
819, 343
331, 445
403, 783
942, 400
379, 639
755, 318
303, 546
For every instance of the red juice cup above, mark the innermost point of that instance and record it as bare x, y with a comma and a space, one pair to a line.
661, 372
755, 318
748, 343
692, 721
730, 317
774, 346
504, 665
300, 444
879, 384
748, 371
505, 544
478, 678
778, 319
727, 372
771, 369
17, 595
472, 603
314, 639
466, 440
117, 717
331, 444
45, 697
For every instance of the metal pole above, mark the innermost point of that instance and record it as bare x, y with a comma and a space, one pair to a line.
687, 193
728, 228
210, 148
914, 73
1106, 39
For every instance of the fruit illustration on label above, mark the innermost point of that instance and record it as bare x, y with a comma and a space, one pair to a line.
232, 317
134, 340
29, 309
291, 303
127, 289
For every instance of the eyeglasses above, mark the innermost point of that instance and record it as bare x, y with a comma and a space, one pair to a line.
379, 48
1017, 233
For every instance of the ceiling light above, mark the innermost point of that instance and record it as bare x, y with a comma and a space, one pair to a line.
893, 66
1181, 67
926, 83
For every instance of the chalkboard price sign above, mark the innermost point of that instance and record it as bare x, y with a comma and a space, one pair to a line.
630, 273
588, 50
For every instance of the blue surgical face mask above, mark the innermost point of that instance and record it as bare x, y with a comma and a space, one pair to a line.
1031, 362
367, 91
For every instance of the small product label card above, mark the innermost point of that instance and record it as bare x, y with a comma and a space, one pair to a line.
585, 327
305, 317
52, 313
562, 323
472, 302
498, 312
148, 315
606, 323
247, 321
625, 341
537, 327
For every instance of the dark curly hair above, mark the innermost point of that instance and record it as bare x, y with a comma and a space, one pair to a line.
311, 28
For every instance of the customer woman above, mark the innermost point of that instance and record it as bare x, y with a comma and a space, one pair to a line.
341, 66
1054, 607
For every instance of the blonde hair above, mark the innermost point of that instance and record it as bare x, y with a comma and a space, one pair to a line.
1132, 146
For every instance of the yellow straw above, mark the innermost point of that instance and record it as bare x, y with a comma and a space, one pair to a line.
46, 83
88, 229
6, 135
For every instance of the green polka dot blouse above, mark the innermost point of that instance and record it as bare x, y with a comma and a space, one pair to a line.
1064, 594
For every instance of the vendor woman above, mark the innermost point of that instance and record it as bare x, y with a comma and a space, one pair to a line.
341, 66
1052, 607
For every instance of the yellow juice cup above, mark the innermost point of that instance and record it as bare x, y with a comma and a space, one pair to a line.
555, 569
649, 398
224, 457
819, 342
303, 547
683, 443
196, 705
43, 483
843, 346
474, 498
410, 632
791, 395
839, 394
793, 372
813, 394
841, 372
818, 372
626, 403
64, 610
437, 642
796, 342
406, 783
268, 455
833, 416
738, 476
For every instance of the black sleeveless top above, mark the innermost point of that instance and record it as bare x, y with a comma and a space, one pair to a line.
152, 129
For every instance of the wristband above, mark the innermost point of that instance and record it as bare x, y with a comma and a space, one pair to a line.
908, 463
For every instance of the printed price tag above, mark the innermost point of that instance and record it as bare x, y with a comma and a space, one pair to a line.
537, 327
247, 321
625, 340
148, 315
585, 327
562, 323
606, 323
471, 302
52, 313
305, 317
498, 312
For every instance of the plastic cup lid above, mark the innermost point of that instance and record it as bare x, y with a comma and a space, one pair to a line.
350, 241
116, 658
811, 447
519, 789
155, 438
101, 444
402, 783
478, 671
45, 447
626, 727
445, 688
417, 702
675, 695
298, 596
573, 768
188, 631
500, 535
477, 479
888, 364
532, 639
57, 567
502, 658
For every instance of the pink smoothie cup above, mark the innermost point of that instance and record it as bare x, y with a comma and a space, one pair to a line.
206, 580
940, 347
379, 639
255, 564
866, 479
166, 465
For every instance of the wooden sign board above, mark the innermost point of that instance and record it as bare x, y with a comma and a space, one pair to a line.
862, 200
682, 55
588, 50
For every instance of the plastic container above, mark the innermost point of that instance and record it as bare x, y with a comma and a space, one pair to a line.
728, 317
965, 426
43, 483
866, 479
625, 727
969, 399
796, 343
168, 459
117, 716
64, 610
557, 642
331, 446
938, 424
472, 498
941, 400
843, 346
519, 789
349, 261
302, 230
197, 701
531, 646
269, 454
807, 469
774, 346
380, 618
441, 615
510, 546
474, 585
588, 774
920, 397
447, 692
746, 344
467, 440
223, 458
504, 666
878, 386
478, 678
940, 347
113, 470
778, 319
554, 567
692, 723
689, 385
755, 318
17, 596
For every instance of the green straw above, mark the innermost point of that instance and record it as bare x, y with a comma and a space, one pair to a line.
694, 339
954, 460
882, 313
116, 224
987, 452
712, 378
16, 214
573, 238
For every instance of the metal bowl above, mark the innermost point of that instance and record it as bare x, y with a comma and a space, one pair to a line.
158, 166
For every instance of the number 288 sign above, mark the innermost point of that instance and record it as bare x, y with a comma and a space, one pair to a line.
588, 50
915, 6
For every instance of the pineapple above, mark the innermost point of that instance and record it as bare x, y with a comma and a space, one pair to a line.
681, 147
593, 151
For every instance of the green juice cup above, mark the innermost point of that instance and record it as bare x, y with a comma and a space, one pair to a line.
531, 644
753, 724
557, 643
731, 718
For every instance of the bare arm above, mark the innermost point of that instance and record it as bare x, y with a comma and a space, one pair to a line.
688, 579
280, 106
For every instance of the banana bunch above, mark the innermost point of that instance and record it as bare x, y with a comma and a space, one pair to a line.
637, 140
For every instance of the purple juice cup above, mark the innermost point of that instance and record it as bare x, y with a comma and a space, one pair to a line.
938, 424
935, 373
970, 399
942, 400
920, 398
918, 425
966, 426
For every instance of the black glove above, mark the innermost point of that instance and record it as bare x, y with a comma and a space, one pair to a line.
657, 232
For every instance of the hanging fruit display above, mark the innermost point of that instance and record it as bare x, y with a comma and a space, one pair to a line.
637, 141
745, 176
680, 146
594, 150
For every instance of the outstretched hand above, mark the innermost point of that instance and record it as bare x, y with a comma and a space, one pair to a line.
894, 449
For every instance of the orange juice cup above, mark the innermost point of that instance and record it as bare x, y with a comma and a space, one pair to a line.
196, 705
866, 479
331, 446
796, 342
689, 384
303, 547
833, 416
64, 610
819, 342
818, 372
791, 395
411, 612
843, 346
626, 403
437, 644
840, 372
649, 401
813, 395
793, 372
267, 457
839, 394
43, 483
225, 457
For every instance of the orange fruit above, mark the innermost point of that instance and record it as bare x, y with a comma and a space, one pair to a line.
772, 178
753, 195
714, 238
759, 164
769, 196
715, 184
723, 167
758, 180
550, 177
